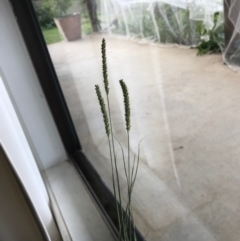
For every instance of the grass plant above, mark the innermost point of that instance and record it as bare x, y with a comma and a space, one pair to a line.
127, 231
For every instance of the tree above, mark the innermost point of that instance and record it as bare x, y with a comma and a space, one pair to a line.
92, 12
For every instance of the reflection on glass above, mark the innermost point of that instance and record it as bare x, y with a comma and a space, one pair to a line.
187, 106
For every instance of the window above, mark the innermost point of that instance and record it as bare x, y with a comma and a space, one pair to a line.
184, 105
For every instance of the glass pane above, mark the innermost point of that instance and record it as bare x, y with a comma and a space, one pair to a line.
184, 101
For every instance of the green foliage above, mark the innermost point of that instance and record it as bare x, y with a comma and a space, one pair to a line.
45, 13
147, 26
86, 26
173, 25
60, 7
51, 35
84, 14
211, 40
46, 10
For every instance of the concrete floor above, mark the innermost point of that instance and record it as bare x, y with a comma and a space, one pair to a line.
188, 185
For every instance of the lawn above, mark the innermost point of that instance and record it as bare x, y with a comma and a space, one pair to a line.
86, 26
51, 35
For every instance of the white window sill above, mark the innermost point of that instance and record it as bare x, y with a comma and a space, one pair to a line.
74, 207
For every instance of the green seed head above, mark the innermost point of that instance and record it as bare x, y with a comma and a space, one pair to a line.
126, 104
103, 109
104, 67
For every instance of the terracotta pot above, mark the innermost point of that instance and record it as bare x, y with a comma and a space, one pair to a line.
69, 26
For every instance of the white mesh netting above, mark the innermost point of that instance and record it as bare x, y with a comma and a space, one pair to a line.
213, 24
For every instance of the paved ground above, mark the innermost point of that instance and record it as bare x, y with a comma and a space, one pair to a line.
188, 187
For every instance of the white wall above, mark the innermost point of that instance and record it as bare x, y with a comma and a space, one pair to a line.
15, 144
25, 91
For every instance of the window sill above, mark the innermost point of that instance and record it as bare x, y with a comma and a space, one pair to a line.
74, 208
